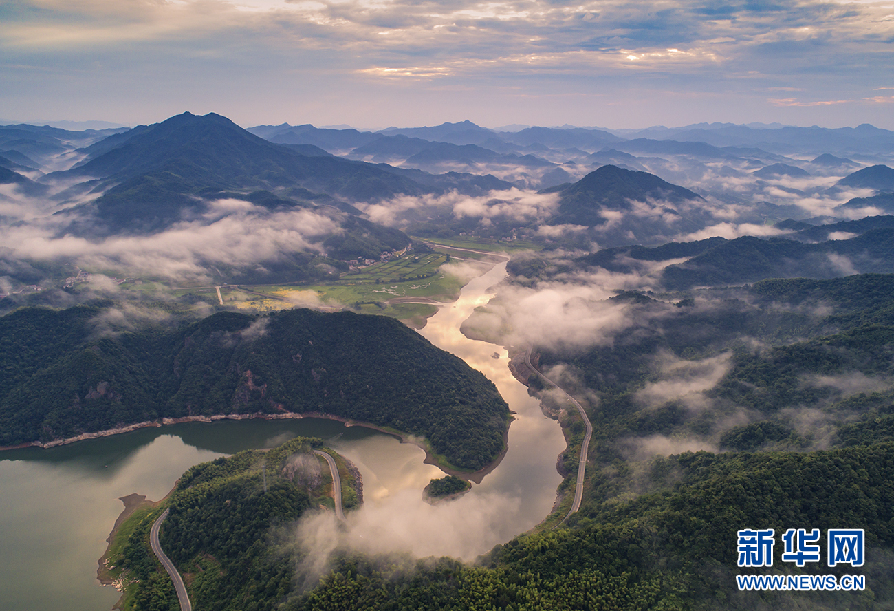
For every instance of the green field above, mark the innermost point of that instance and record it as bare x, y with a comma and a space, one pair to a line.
476, 243
389, 288
367, 289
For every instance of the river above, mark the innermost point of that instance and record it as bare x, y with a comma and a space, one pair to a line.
57, 506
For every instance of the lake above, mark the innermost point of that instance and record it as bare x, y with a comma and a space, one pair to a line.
58, 505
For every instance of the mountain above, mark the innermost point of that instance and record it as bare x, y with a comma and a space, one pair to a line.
332, 140
861, 139
224, 514
14, 160
41, 143
464, 132
671, 147
847, 229
878, 177
435, 156
883, 202
562, 138
8, 177
471, 154
162, 172
60, 380
750, 259
390, 148
612, 157
308, 150
781, 169
831, 161
461, 182
611, 187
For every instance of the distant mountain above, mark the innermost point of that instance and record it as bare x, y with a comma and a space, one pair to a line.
471, 154
749, 259
462, 182
671, 147
435, 156
611, 187
8, 177
616, 158
862, 139
878, 177
561, 138
332, 140
831, 161
781, 169
883, 202
14, 160
40, 143
164, 169
308, 150
385, 149
111, 142
846, 229
618, 259
464, 132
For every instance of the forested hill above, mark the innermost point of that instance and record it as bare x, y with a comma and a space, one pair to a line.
59, 380
221, 531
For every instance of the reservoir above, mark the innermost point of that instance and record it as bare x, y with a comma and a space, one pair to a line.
57, 506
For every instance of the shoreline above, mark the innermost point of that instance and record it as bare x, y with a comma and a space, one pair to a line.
132, 502
430, 457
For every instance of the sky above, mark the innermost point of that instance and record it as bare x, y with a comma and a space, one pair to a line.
380, 63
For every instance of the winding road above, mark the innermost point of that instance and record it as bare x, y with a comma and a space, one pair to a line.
336, 483
585, 446
166, 562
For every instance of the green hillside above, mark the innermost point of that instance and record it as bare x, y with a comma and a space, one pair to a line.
65, 382
613, 188
225, 531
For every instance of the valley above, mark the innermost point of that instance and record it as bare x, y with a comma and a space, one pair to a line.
629, 345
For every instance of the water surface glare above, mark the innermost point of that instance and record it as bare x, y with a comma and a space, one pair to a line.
58, 505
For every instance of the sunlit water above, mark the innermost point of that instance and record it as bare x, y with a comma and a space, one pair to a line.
57, 506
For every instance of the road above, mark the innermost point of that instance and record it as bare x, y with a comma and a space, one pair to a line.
166, 562
585, 446
479, 252
336, 483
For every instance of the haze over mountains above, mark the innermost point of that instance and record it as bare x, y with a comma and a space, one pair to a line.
717, 298
190, 197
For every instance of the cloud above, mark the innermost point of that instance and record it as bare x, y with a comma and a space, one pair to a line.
304, 299
842, 265
849, 384
644, 448
404, 523
732, 230
451, 56
685, 380
188, 250
514, 204
125, 317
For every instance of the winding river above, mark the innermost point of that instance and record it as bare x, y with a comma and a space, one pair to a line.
58, 505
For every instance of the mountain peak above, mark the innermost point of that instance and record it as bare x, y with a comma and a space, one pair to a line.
611, 187
879, 177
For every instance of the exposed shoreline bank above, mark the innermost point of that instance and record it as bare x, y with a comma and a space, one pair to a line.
430, 457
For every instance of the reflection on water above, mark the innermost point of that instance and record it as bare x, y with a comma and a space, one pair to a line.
57, 506
521, 491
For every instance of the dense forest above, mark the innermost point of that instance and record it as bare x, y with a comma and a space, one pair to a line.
672, 548
61, 379
656, 531
800, 364
227, 530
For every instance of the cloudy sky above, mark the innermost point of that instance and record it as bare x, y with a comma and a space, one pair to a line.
375, 63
